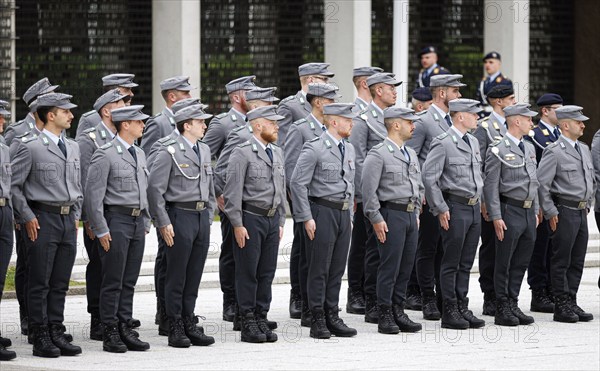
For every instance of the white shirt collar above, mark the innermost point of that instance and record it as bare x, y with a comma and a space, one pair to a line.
123, 142
460, 135
501, 119
441, 112
337, 142
432, 68
395, 144
188, 141
512, 137
547, 125
571, 142
377, 107
262, 145
362, 100
492, 77
317, 121
52, 137
239, 113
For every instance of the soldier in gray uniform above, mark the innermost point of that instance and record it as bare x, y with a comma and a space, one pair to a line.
295, 107
4, 114
162, 124
511, 196
120, 81
322, 188
435, 121
300, 132
489, 130
181, 188
567, 184
453, 187
368, 130
363, 94
117, 208
392, 193
49, 208
89, 141
255, 204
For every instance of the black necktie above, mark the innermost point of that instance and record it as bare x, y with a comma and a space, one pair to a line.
269, 153
466, 139
577, 148
195, 148
342, 150
406, 156
556, 132
62, 147
522, 147
448, 120
132, 151
324, 128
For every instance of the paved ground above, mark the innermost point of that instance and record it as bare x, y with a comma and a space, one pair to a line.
545, 345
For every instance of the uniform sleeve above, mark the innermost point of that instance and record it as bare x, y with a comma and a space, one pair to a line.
151, 134
96, 183
418, 138
233, 140
284, 124
84, 123
359, 138
491, 185
292, 147
546, 173
86, 148
9, 134
234, 186
215, 137
432, 172
21, 166
158, 182
301, 178
372, 171
78, 205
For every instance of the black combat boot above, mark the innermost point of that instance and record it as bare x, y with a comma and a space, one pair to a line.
583, 315
24, 321
541, 301
5, 342
228, 308
306, 318
504, 315
523, 318
261, 320
489, 304
318, 327
111, 341
96, 328
356, 301
430, 308
452, 318
563, 312
474, 322
404, 323
295, 304
130, 338
413, 298
196, 333
42, 344
386, 324
250, 331
58, 338
336, 325
6, 355
371, 310
177, 336
163, 324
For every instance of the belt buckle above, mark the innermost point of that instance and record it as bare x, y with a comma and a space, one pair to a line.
2, 202
472, 201
136, 212
345, 205
527, 204
271, 212
582, 205
65, 210
410, 208
200, 205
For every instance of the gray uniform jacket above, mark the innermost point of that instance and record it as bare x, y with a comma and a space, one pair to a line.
519, 183
115, 179
168, 184
368, 131
429, 126
486, 136
86, 121
14, 144
19, 128
389, 176
158, 145
563, 172
41, 173
596, 162
301, 131
237, 136
5, 172
157, 126
252, 178
452, 167
359, 105
218, 130
319, 173
293, 108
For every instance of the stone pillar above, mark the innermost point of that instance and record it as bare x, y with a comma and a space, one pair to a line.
400, 53
175, 44
506, 30
347, 41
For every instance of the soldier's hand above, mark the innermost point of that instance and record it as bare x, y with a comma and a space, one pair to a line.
310, 228
105, 241
89, 231
444, 219
553, 222
17, 226
221, 203
32, 227
538, 220
500, 227
168, 234
419, 220
241, 235
354, 206
484, 212
280, 233
380, 229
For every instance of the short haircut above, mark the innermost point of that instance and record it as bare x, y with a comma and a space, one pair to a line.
180, 124
310, 98
165, 93
118, 125
327, 120
43, 113
357, 80
388, 122
436, 89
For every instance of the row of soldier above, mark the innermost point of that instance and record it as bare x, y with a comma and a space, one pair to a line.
326, 150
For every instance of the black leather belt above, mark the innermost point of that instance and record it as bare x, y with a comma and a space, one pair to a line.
189, 206
129, 211
462, 200
3, 202
579, 205
409, 208
526, 204
259, 210
338, 205
54, 209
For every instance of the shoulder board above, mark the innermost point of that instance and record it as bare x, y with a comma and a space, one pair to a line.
442, 136
298, 122
155, 116
495, 142
554, 144
274, 145
29, 139
285, 100
582, 144
70, 140
164, 139
22, 135
377, 146
421, 113
89, 113
315, 139
239, 128
221, 115
168, 142
89, 130
485, 118
107, 145
245, 144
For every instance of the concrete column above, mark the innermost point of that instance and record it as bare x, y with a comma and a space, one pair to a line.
400, 50
506, 30
347, 41
175, 44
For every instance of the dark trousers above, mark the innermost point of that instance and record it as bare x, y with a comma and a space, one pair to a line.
429, 251
514, 251
396, 256
327, 254
121, 266
160, 269
51, 259
255, 263
303, 262
569, 245
93, 275
6, 243
22, 268
226, 259
487, 256
538, 273
356, 256
460, 245
185, 260
295, 274
371, 261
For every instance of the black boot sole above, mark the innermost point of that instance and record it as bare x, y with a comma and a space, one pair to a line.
539, 309
320, 335
122, 349
432, 317
7, 355
355, 310
388, 331
254, 340
295, 315
565, 319
455, 327
506, 323
70, 353
38, 353
180, 345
